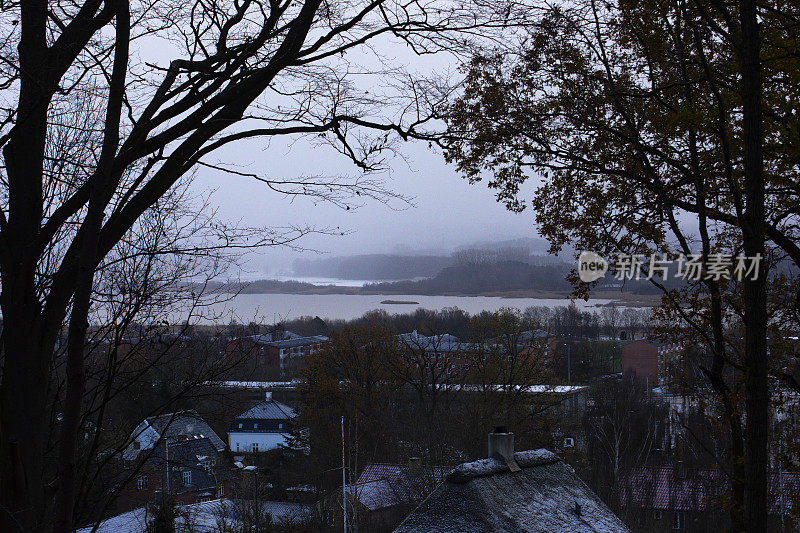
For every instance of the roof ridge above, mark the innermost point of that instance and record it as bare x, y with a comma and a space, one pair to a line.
466, 472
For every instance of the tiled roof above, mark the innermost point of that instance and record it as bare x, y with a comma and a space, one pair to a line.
437, 343
382, 485
485, 496
273, 337
300, 341
662, 488
188, 423
269, 410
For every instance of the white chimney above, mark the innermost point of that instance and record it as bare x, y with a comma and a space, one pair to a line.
501, 446
501, 442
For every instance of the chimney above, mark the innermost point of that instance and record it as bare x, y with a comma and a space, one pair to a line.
268, 396
501, 446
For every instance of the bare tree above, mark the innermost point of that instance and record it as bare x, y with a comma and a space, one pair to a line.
246, 70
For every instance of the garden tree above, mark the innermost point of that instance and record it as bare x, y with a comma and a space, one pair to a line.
658, 127
504, 361
350, 376
620, 434
432, 368
150, 90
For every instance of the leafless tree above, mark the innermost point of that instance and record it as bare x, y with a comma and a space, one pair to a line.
165, 88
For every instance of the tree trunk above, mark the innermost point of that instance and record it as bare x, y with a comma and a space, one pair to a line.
23, 408
756, 385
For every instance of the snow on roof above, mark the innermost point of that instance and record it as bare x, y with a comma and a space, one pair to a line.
188, 423
254, 384
485, 496
525, 389
382, 485
269, 410
131, 522
206, 517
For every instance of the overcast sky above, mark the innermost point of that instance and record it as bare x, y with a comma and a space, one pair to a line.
448, 212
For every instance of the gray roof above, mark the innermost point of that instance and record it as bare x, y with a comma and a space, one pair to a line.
485, 496
173, 425
273, 336
269, 410
383, 485
436, 343
298, 341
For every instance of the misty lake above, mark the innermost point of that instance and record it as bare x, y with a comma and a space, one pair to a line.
267, 308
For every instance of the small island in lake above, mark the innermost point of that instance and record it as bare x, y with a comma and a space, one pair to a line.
399, 302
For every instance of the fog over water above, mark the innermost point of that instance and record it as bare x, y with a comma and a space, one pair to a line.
272, 308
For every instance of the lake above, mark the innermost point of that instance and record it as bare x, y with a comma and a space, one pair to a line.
270, 308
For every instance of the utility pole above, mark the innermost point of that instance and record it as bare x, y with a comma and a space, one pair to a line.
569, 363
344, 483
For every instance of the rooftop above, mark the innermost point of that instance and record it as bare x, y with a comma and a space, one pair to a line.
382, 485
485, 496
185, 423
269, 410
696, 490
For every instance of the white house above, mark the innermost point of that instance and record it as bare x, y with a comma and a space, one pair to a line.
263, 427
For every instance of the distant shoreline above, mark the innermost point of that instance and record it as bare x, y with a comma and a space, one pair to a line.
626, 299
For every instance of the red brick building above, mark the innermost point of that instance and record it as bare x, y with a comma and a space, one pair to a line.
190, 471
641, 358
273, 354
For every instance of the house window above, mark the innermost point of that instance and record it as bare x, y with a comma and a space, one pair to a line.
569, 442
280, 425
187, 477
255, 426
141, 483
241, 425
237, 446
657, 514
255, 446
678, 521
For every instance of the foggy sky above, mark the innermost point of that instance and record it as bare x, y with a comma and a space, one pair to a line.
448, 212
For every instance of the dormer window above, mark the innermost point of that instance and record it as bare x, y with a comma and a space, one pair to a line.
187, 477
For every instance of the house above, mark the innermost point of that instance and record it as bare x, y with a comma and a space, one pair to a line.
384, 493
641, 358
263, 427
275, 353
445, 353
189, 470
523, 491
674, 498
207, 517
170, 427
